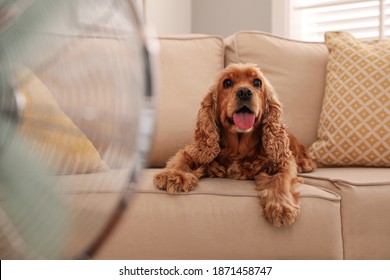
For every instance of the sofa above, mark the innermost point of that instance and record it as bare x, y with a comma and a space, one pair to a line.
343, 206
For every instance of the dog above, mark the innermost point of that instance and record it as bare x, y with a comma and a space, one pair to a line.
239, 134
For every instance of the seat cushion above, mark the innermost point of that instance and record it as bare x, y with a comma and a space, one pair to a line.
296, 70
89, 201
188, 67
222, 219
365, 194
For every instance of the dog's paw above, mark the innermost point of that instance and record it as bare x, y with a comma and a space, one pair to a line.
306, 165
281, 213
175, 180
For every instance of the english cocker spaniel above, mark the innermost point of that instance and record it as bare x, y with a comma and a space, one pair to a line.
240, 135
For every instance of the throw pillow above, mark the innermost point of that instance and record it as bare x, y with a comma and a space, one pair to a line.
50, 132
354, 127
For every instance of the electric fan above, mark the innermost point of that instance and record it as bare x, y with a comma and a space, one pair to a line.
76, 116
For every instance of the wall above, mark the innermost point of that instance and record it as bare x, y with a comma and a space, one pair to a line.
169, 17
219, 17
224, 17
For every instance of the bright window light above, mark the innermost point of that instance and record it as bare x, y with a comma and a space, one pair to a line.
310, 19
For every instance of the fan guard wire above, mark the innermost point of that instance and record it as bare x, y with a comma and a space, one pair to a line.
121, 120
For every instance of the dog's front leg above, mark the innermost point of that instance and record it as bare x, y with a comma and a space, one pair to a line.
180, 174
277, 196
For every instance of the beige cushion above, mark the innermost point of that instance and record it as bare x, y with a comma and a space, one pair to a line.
296, 70
365, 196
93, 81
50, 133
91, 200
354, 128
188, 67
222, 219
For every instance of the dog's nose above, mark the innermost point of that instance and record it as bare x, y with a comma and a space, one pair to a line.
244, 93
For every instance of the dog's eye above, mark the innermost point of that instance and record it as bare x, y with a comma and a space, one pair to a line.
257, 83
227, 83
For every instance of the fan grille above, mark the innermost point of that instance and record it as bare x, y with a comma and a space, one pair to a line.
77, 99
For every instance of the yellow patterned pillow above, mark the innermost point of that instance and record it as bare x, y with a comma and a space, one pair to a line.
354, 127
49, 131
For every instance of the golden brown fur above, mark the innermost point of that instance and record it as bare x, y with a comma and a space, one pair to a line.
240, 135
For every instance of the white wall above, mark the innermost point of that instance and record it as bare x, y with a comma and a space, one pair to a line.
169, 17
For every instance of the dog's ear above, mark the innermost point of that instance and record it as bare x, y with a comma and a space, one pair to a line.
274, 135
206, 147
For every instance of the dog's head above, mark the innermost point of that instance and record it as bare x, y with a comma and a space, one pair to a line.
241, 95
241, 101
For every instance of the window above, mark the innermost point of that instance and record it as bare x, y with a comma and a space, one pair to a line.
309, 19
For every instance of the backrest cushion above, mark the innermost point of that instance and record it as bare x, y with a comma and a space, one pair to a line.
296, 70
94, 81
188, 65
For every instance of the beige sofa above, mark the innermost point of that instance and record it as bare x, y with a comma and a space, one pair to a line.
344, 210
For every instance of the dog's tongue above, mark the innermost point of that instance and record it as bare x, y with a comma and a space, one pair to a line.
243, 120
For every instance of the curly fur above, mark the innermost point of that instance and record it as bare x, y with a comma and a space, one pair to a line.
265, 152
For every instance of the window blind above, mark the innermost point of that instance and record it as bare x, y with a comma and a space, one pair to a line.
365, 19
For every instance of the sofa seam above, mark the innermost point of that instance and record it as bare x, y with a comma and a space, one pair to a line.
194, 37
223, 54
342, 229
277, 37
340, 181
235, 41
233, 195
